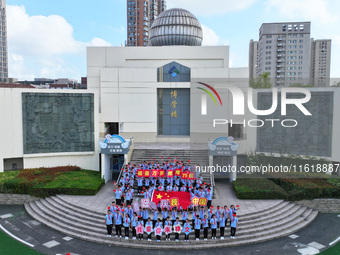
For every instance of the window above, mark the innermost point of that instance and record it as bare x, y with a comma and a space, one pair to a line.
235, 130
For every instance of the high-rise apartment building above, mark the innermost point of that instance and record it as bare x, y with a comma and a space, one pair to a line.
3, 43
321, 57
140, 16
288, 53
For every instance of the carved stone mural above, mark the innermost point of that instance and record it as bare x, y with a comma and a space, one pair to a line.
313, 134
57, 122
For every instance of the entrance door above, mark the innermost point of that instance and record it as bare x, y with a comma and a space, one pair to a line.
174, 112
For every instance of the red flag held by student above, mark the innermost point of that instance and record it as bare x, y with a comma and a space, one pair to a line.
183, 197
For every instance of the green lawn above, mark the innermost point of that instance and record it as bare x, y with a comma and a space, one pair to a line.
334, 250
10, 246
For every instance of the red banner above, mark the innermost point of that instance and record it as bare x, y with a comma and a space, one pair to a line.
140, 173
183, 197
184, 175
162, 173
170, 173
192, 176
154, 173
147, 173
178, 172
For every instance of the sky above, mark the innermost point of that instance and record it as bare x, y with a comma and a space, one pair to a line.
48, 38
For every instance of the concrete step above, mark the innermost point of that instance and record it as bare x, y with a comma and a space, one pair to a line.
88, 212
260, 236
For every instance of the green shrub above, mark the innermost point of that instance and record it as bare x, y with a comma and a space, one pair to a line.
258, 188
43, 182
303, 188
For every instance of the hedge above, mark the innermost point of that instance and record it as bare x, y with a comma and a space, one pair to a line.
43, 182
258, 188
299, 189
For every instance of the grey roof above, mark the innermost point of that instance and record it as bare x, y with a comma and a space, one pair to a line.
176, 27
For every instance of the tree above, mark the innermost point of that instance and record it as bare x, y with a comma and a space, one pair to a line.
336, 84
261, 82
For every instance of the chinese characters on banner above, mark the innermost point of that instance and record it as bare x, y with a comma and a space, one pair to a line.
170, 173
139, 229
161, 173
158, 231
145, 202
203, 201
148, 229
167, 230
178, 229
174, 202
173, 104
147, 173
140, 173
164, 203
154, 173
195, 201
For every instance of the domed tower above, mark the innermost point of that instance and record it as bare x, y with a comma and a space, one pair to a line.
176, 27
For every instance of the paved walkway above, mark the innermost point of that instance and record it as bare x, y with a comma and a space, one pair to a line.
223, 192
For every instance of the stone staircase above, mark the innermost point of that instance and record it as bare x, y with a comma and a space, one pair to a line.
196, 157
281, 219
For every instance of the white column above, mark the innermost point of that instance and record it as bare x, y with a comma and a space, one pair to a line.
233, 175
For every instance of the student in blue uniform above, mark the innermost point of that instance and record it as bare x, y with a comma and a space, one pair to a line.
118, 223
233, 225
186, 230
197, 228
140, 222
126, 224
149, 223
222, 221
177, 234
109, 223
159, 224
154, 217
205, 224
213, 223
168, 223
134, 223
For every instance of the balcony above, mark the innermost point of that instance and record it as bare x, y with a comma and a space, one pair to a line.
279, 61
279, 66
278, 71
279, 55
279, 45
279, 50
146, 18
279, 39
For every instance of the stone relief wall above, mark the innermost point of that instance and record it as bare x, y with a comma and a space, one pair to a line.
312, 136
57, 122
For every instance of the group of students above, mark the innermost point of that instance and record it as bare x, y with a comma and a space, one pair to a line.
125, 217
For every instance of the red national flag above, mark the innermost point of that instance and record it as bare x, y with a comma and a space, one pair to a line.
161, 173
178, 172
147, 173
154, 173
183, 197
170, 173
140, 173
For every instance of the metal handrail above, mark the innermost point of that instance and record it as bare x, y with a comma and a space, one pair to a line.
121, 171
